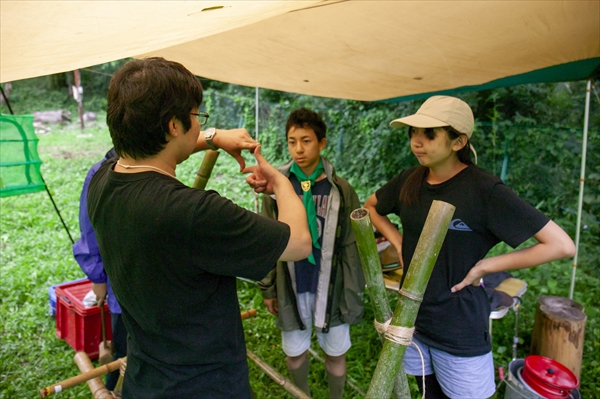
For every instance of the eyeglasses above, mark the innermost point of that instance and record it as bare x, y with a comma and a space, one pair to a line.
201, 116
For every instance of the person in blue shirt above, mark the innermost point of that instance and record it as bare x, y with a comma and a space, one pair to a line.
87, 255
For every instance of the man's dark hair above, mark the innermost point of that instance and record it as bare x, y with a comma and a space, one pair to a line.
305, 118
143, 96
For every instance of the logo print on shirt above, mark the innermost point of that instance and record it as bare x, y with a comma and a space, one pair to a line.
458, 225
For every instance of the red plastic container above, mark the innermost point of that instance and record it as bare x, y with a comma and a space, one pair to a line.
81, 327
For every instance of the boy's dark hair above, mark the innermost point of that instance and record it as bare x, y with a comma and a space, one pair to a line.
305, 118
410, 190
143, 96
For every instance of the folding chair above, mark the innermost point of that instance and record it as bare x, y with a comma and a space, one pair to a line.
515, 288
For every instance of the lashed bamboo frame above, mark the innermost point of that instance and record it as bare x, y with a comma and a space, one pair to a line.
389, 374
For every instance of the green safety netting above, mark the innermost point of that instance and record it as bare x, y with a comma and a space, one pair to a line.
19, 159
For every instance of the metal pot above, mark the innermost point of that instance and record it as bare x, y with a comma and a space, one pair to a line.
548, 377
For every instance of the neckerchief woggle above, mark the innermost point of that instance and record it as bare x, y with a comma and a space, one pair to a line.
306, 182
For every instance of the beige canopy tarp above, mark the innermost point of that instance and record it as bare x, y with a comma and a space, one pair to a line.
362, 50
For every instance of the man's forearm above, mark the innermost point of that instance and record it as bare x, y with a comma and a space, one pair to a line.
291, 212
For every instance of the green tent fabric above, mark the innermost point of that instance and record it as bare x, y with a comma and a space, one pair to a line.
577, 70
19, 159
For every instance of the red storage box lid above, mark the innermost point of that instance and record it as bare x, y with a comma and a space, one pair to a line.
73, 293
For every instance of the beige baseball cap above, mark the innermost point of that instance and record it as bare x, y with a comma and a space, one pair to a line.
440, 111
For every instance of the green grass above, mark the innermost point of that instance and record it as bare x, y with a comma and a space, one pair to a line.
36, 253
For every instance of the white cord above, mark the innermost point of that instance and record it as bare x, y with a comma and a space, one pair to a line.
402, 336
422, 366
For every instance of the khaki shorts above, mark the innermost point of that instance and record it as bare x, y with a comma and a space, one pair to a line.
334, 343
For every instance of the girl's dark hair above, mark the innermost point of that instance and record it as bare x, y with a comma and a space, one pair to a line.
143, 96
307, 119
410, 190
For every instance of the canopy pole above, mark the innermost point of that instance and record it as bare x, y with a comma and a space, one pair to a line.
256, 109
78, 96
586, 119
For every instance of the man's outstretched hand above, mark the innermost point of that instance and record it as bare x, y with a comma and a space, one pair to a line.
233, 141
263, 176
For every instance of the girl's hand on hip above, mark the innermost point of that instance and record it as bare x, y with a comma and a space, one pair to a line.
472, 278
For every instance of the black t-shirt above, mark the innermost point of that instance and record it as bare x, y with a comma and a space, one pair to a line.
172, 254
487, 212
307, 274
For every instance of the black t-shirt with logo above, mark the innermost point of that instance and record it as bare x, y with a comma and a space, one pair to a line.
487, 212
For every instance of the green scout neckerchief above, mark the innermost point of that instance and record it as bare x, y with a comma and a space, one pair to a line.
306, 182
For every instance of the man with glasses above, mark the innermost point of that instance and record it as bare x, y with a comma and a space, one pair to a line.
172, 252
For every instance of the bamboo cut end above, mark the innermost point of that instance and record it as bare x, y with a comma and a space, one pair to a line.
359, 214
442, 206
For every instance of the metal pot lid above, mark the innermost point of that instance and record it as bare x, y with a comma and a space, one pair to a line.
546, 373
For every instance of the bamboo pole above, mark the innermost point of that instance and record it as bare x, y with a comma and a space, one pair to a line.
410, 297
81, 378
118, 391
96, 385
248, 314
277, 377
206, 167
369, 257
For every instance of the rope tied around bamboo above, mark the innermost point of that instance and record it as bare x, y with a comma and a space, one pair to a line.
381, 328
399, 335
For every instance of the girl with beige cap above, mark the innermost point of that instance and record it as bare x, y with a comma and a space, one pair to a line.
452, 323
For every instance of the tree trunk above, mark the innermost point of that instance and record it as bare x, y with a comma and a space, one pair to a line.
558, 331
